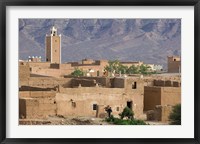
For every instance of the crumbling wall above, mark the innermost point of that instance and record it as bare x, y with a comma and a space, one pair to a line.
160, 113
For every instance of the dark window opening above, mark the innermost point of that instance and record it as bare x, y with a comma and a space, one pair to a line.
117, 109
94, 106
174, 59
47, 59
129, 104
134, 85
30, 69
74, 104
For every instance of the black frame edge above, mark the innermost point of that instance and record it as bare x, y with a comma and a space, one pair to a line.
4, 3
196, 74
100, 2
3, 72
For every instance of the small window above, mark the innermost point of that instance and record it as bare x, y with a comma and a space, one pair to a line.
55, 40
94, 106
134, 85
174, 59
73, 104
117, 109
55, 51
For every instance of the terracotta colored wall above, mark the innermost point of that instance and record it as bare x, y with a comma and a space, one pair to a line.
85, 97
170, 95
161, 96
173, 66
44, 83
48, 49
160, 113
24, 71
152, 97
55, 49
37, 104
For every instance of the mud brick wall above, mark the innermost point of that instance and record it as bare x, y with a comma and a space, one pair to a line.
24, 71
33, 105
161, 96
83, 82
159, 83
152, 97
162, 113
170, 95
79, 101
43, 83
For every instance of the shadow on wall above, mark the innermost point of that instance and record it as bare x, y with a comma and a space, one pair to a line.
29, 88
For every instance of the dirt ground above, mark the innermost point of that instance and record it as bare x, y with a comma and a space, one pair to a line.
60, 120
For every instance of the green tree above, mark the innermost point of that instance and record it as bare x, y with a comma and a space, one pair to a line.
133, 69
122, 68
175, 115
77, 72
127, 112
115, 66
144, 69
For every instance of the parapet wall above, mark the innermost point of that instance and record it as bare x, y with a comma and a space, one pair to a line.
101, 81
37, 94
43, 83
83, 82
167, 83
40, 64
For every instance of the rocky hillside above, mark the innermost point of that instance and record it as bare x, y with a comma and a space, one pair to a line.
148, 40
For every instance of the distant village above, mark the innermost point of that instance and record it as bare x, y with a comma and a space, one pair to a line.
54, 89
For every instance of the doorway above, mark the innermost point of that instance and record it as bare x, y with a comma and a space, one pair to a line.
129, 104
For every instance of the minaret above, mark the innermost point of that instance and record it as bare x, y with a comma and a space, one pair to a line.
53, 47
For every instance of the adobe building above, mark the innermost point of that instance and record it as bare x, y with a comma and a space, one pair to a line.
46, 90
53, 47
159, 99
135, 63
174, 64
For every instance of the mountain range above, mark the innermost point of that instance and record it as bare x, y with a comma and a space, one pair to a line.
148, 40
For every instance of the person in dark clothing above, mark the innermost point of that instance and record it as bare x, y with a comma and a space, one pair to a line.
108, 110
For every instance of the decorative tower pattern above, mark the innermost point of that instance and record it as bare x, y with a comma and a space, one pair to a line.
53, 47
